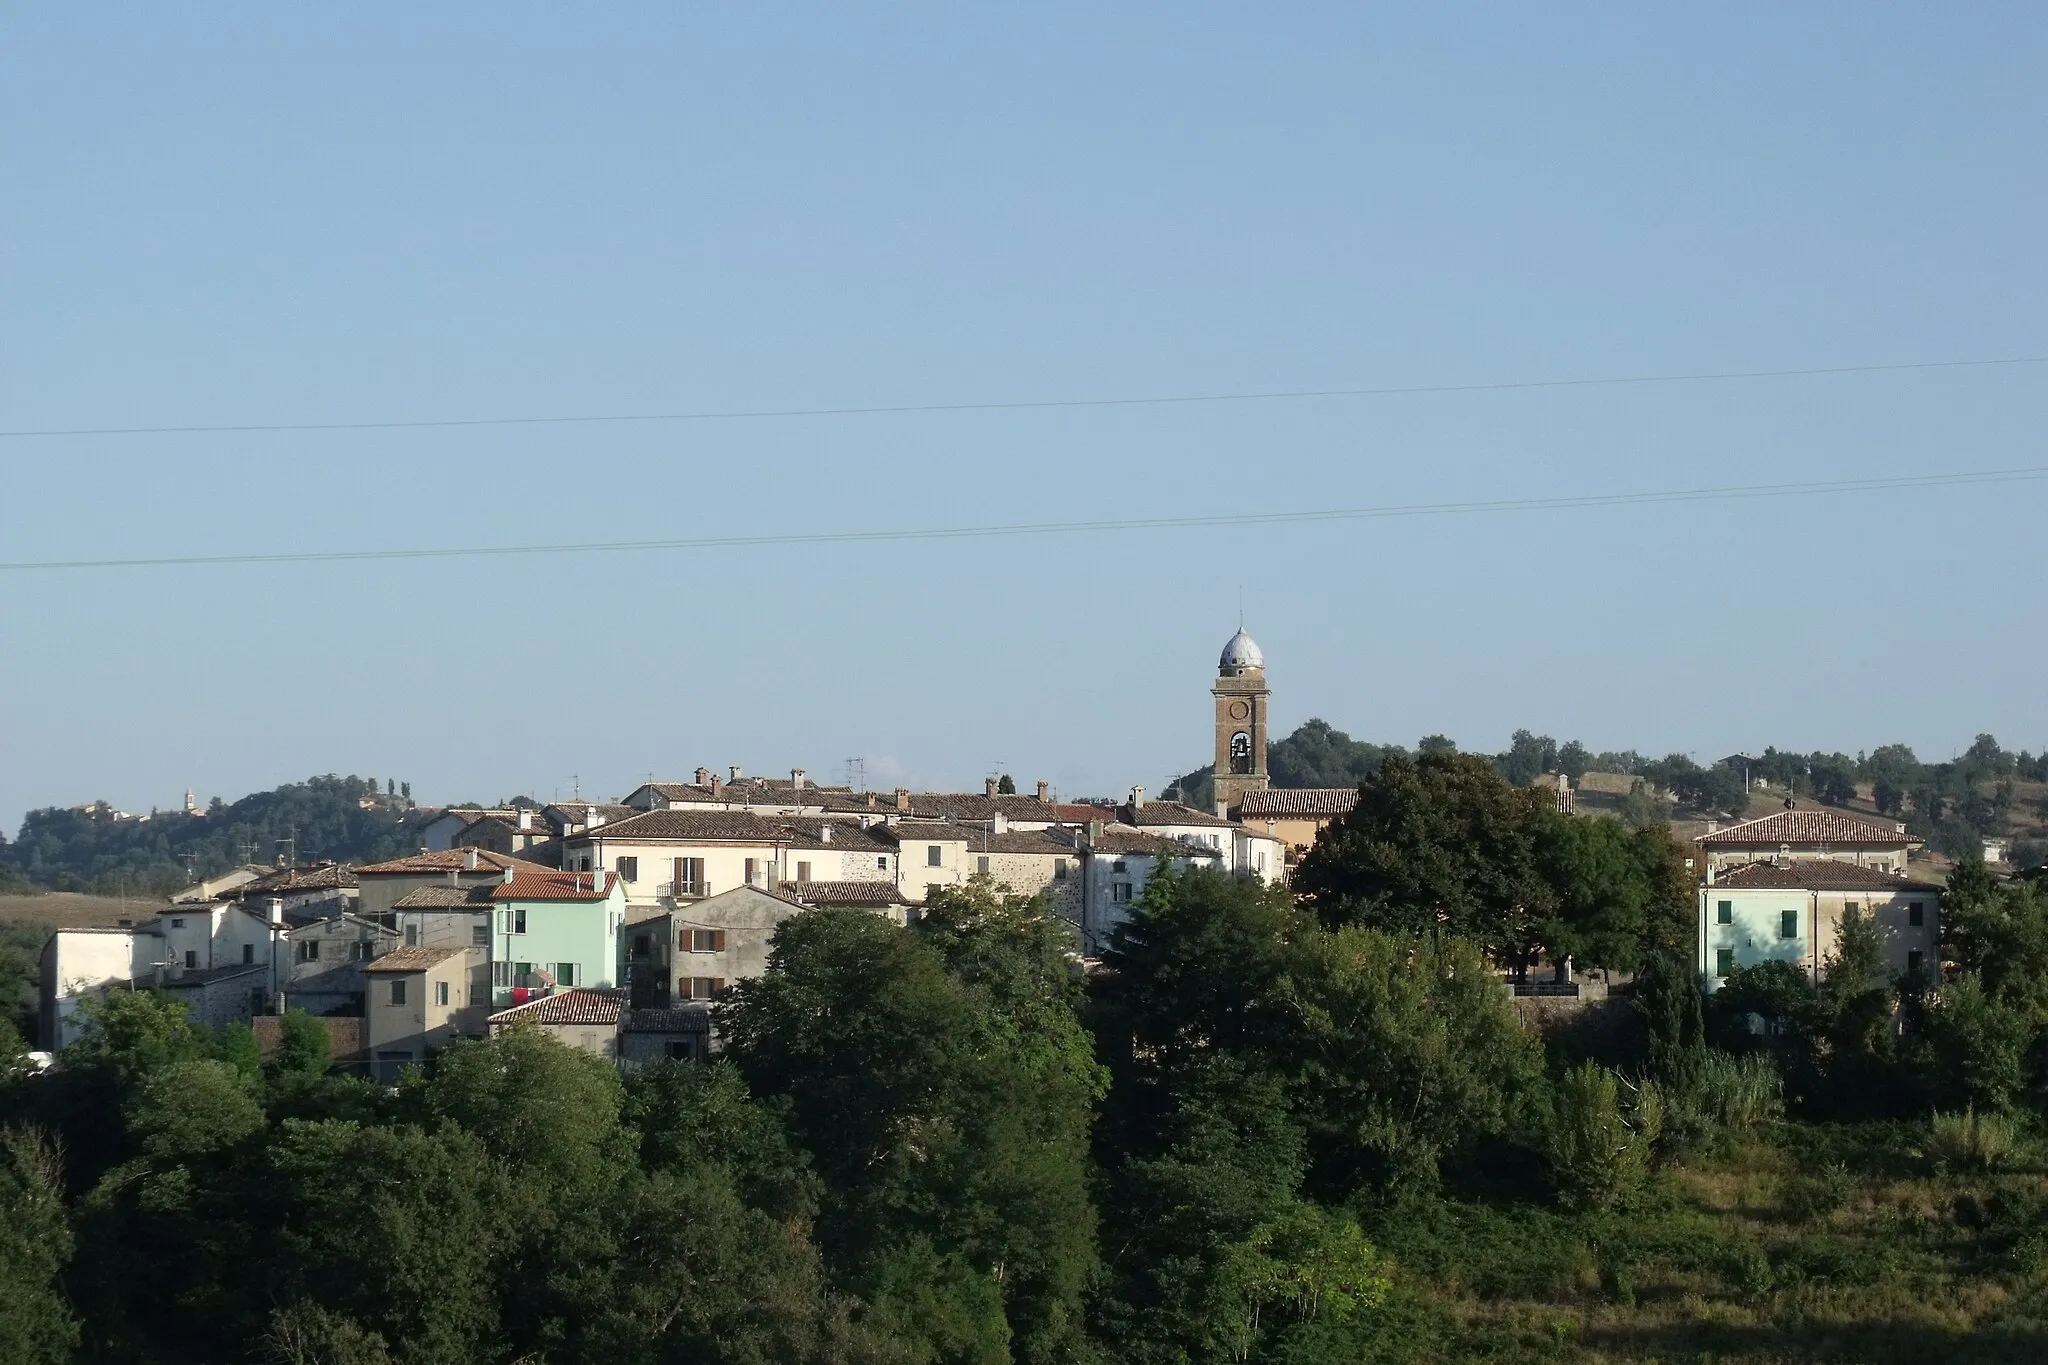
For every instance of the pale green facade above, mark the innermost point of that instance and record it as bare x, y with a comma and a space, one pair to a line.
561, 943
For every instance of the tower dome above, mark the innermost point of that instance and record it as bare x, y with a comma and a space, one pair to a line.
1242, 652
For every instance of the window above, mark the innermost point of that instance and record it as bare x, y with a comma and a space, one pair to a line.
519, 920
501, 973
1916, 914
700, 987
398, 990
1913, 960
256, 1000
643, 945
679, 1050
1059, 869
753, 871
521, 972
881, 862
1724, 913
177, 924
981, 866
1850, 907
629, 869
309, 950
931, 856
1118, 866
1724, 961
248, 953
191, 958
440, 992
565, 974
357, 952
1120, 892
1788, 924
707, 940
803, 872
412, 936
480, 935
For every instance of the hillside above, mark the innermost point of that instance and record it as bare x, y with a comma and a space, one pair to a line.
96, 850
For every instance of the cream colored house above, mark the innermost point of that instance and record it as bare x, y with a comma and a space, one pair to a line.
666, 858
1792, 912
415, 997
587, 1020
1807, 835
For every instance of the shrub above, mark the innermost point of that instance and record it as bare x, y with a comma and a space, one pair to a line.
1740, 1092
1809, 1197
1600, 1146
1969, 1141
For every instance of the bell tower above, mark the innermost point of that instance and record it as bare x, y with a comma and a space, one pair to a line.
1241, 697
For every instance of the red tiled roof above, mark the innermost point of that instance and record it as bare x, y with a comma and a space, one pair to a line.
1167, 813
1805, 827
1313, 803
543, 884
843, 893
447, 860
577, 1006
412, 959
1816, 874
318, 877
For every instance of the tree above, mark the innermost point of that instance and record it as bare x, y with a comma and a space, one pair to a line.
302, 1047
1436, 844
1007, 786
1573, 760
36, 1326
1316, 755
1604, 892
943, 1089
189, 1108
1602, 1145
1529, 756
1401, 1052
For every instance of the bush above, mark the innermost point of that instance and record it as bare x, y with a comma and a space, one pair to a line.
1969, 1141
1720, 1094
1600, 1146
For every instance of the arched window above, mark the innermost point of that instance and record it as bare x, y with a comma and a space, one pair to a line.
1240, 752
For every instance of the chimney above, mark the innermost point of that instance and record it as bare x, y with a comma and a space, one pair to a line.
1137, 798
703, 777
796, 779
525, 819
1713, 825
507, 877
825, 833
1710, 871
874, 801
733, 774
717, 786
469, 860
276, 912
590, 818
903, 798
1094, 830
1002, 823
1043, 789
988, 787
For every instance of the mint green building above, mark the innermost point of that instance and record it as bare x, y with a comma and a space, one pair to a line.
554, 931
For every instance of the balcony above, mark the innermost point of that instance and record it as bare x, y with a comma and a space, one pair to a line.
684, 891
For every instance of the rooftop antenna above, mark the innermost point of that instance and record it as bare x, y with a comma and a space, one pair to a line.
291, 841
857, 773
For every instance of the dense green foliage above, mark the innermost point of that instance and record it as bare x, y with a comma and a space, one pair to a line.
91, 850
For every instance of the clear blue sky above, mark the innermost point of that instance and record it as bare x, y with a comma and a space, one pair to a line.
268, 213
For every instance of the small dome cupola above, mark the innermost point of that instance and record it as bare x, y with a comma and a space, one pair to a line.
1242, 652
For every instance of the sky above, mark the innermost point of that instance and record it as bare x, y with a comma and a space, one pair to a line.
287, 215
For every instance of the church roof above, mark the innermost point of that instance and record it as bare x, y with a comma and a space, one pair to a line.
1241, 652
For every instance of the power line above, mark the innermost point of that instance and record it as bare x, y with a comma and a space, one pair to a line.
742, 414
1420, 509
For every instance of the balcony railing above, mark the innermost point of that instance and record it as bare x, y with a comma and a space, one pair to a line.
684, 890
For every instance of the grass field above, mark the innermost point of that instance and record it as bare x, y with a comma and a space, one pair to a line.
66, 909
1813, 1244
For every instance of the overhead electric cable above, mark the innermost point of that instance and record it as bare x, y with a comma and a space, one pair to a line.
1018, 405
1419, 509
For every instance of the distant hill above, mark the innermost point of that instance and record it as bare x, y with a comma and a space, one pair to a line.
91, 850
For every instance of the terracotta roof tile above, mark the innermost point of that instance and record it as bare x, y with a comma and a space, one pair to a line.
1816, 874
547, 885
575, 1006
442, 896
412, 959
445, 860
843, 893
1307, 803
1805, 827
688, 824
